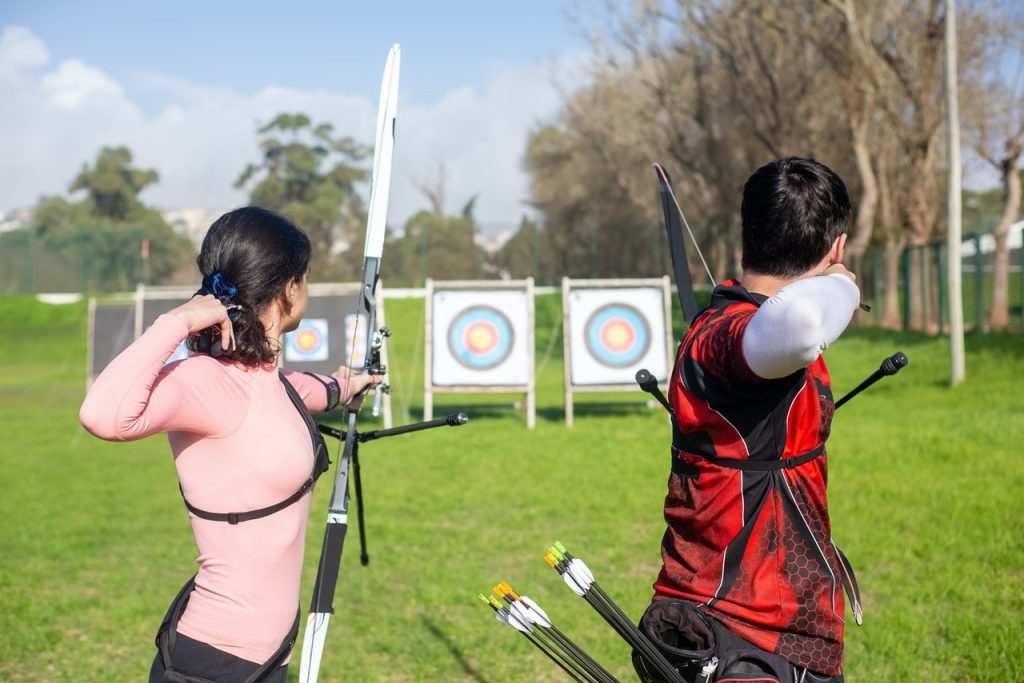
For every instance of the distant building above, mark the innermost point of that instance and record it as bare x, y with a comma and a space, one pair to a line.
492, 235
16, 219
192, 223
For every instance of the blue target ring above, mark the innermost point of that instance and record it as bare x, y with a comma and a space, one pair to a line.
480, 337
617, 335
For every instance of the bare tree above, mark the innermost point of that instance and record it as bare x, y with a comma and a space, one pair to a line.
994, 117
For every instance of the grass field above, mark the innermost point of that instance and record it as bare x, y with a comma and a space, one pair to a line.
925, 495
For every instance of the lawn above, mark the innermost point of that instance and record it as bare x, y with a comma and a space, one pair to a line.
924, 488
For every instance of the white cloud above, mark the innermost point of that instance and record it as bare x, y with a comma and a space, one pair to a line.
56, 119
20, 51
75, 86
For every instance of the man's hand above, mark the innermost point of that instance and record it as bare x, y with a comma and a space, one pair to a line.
840, 269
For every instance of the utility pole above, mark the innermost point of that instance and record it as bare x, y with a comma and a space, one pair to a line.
953, 236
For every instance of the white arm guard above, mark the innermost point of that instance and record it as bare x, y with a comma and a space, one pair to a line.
792, 328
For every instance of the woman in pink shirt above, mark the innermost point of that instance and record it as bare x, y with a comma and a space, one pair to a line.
245, 447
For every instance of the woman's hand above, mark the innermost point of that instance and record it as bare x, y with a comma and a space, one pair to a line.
201, 312
356, 381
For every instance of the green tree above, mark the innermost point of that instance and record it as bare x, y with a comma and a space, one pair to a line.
310, 176
437, 246
105, 235
113, 184
520, 257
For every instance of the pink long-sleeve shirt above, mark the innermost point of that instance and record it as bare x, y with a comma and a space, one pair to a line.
239, 444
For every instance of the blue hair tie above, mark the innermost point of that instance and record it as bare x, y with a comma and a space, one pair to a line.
220, 287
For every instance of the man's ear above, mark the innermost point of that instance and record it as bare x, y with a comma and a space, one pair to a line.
838, 249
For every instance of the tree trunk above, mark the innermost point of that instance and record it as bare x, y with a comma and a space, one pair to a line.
999, 316
861, 238
891, 318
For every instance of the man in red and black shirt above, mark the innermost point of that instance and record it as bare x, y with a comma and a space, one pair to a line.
748, 537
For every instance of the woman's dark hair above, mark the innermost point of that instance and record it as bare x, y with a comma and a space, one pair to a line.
248, 257
793, 210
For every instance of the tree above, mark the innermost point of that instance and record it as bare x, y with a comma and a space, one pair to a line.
309, 175
105, 233
520, 256
113, 184
994, 118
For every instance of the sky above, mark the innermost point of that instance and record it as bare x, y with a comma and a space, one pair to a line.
185, 85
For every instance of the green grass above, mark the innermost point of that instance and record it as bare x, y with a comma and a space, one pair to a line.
924, 490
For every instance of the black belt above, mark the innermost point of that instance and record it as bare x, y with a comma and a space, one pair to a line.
680, 444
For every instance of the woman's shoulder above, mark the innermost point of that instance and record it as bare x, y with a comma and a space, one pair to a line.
197, 369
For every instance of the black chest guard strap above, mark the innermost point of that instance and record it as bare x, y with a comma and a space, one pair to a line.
321, 462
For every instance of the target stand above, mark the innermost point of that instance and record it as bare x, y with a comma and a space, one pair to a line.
327, 337
612, 328
479, 339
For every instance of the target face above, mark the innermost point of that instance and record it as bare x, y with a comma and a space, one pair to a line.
356, 333
179, 354
307, 342
480, 337
614, 332
617, 335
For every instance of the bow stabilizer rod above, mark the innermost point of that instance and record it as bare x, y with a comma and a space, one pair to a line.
889, 366
649, 383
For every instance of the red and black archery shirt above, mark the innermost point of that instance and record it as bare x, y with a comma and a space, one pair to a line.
748, 535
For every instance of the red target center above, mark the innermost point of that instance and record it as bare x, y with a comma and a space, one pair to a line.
617, 335
480, 337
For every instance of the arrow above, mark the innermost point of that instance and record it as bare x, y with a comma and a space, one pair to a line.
581, 581
527, 617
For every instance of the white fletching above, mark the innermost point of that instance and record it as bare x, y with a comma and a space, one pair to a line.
579, 575
539, 616
571, 583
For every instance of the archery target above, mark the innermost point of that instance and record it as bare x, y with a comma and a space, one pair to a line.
307, 342
617, 335
479, 338
356, 335
179, 354
615, 332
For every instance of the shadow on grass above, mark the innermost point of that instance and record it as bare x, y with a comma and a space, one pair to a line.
457, 653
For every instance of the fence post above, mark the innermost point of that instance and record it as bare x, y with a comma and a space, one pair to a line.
876, 285
940, 279
905, 276
979, 284
923, 278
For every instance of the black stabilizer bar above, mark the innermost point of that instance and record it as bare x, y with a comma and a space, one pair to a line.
649, 383
453, 420
889, 366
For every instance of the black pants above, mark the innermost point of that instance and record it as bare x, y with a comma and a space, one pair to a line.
202, 660
749, 670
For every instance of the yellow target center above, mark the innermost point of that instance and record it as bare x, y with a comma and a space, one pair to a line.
306, 340
481, 338
618, 336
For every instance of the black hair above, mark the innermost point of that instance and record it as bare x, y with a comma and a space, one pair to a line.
257, 253
793, 210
